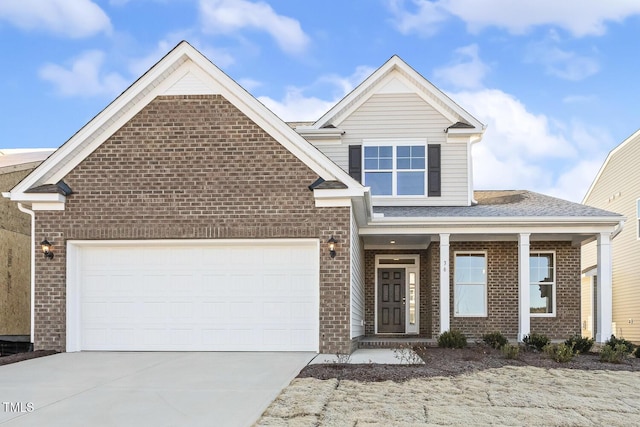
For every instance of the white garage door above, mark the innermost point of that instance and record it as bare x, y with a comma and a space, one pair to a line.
193, 296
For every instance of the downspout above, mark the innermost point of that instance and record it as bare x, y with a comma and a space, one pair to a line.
33, 266
618, 229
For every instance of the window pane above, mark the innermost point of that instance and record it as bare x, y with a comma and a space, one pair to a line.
404, 151
371, 163
386, 163
417, 151
380, 183
541, 298
541, 268
470, 268
410, 183
470, 300
385, 151
404, 163
417, 163
371, 152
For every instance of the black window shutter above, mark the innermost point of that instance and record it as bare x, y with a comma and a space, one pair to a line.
434, 170
355, 162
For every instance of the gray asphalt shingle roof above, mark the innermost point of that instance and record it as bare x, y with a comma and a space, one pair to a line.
510, 203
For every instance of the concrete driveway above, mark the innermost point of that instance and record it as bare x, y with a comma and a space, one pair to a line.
144, 389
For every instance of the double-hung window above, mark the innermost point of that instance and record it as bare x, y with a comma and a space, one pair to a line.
542, 289
470, 290
396, 169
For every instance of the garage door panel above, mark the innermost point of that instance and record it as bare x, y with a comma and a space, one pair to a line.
218, 297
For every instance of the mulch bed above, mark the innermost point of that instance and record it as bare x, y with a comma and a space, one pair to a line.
452, 362
19, 357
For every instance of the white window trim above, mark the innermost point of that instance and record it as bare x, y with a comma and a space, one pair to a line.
486, 283
394, 143
554, 283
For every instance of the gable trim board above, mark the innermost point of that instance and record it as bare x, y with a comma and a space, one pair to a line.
162, 79
409, 77
624, 143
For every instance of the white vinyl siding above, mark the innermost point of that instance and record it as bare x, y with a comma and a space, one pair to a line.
406, 116
357, 281
618, 190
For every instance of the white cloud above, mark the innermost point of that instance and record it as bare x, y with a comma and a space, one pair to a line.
298, 106
523, 150
230, 16
75, 19
139, 66
579, 17
512, 129
467, 70
424, 20
573, 183
561, 63
84, 77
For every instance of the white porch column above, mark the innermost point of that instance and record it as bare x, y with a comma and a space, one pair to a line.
444, 283
604, 294
524, 281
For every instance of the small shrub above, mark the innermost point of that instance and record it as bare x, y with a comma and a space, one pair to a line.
613, 354
637, 352
495, 340
537, 341
408, 355
559, 352
511, 351
452, 339
580, 344
613, 342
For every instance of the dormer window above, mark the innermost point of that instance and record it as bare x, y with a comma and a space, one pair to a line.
395, 169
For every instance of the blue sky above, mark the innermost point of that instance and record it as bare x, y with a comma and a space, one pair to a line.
555, 81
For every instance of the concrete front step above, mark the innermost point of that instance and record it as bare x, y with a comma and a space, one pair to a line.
395, 342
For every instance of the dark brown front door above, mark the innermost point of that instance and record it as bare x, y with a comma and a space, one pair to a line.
391, 300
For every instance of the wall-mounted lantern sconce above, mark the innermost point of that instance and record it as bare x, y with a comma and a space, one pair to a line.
46, 249
332, 246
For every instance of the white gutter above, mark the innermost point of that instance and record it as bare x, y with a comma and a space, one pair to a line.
461, 220
618, 229
33, 267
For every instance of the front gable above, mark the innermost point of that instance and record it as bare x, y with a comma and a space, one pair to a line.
185, 72
396, 107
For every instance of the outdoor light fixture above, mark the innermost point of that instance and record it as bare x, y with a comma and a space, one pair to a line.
46, 249
332, 246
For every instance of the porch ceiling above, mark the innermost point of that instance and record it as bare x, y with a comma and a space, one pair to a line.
422, 241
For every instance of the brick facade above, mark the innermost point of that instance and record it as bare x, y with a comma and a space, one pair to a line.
192, 167
502, 290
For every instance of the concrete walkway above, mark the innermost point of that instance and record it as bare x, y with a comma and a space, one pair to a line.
144, 389
385, 356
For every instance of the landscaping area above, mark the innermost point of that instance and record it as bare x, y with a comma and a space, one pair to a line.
484, 383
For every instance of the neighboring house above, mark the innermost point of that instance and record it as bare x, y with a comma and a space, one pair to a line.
187, 216
617, 188
15, 247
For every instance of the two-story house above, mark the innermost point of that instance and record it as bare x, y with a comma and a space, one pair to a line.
616, 188
187, 216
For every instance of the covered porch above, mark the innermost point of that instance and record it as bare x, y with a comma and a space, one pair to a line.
424, 275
